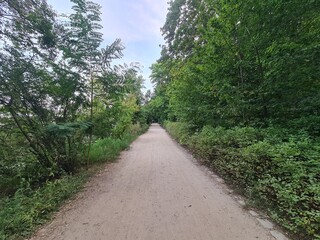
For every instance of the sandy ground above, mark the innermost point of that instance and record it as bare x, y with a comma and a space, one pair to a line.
155, 191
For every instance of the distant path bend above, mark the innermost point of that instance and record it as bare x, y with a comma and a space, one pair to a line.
154, 192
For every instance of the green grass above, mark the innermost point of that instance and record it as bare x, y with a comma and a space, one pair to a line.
28, 208
22, 213
108, 149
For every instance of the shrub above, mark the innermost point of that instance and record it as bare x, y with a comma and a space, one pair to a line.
27, 209
137, 129
277, 168
107, 149
179, 131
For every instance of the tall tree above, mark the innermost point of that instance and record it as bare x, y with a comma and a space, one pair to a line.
48, 73
248, 62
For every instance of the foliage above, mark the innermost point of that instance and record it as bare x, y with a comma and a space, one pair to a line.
66, 141
241, 78
275, 168
59, 91
155, 111
179, 131
108, 149
29, 207
57, 87
45, 74
156, 108
117, 102
247, 62
22, 213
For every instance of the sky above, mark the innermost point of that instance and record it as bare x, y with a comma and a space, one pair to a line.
136, 22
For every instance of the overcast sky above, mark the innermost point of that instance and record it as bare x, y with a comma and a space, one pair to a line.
136, 22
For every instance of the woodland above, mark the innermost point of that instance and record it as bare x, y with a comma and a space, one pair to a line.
238, 83
64, 106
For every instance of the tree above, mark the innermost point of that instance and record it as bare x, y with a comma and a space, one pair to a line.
241, 62
49, 72
115, 90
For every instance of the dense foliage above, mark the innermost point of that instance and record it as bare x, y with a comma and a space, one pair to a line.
273, 167
21, 214
242, 78
60, 94
241, 62
58, 86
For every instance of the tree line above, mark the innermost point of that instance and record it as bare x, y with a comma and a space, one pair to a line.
59, 90
238, 82
241, 62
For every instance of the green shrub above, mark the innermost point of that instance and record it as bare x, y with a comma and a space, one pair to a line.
276, 168
179, 131
309, 123
290, 187
137, 129
17, 168
27, 209
107, 149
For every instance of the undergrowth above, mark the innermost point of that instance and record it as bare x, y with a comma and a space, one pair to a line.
32, 205
276, 168
20, 214
107, 149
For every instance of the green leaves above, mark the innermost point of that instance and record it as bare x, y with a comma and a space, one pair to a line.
229, 67
52, 71
247, 62
67, 129
274, 168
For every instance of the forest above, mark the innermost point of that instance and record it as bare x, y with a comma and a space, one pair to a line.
238, 83
64, 106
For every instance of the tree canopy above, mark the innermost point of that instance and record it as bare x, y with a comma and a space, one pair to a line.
240, 62
57, 81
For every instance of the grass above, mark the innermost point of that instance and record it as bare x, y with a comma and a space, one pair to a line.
108, 149
28, 208
22, 213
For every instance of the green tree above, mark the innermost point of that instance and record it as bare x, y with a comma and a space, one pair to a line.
241, 62
49, 69
113, 90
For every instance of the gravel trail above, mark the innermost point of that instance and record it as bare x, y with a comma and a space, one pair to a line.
156, 191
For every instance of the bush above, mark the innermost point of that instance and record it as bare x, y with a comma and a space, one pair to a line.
309, 123
290, 187
22, 213
179, 131
137, 129
274, 167
17, 168
108, 149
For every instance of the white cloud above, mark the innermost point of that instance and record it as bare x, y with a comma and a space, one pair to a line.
134, 20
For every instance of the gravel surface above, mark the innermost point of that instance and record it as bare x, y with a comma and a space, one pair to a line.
155, 191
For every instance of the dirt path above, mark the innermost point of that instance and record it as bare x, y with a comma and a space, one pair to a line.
155, 191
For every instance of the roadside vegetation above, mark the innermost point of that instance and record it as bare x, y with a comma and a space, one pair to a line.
275, 169
30, 205
238, 83
64, 107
